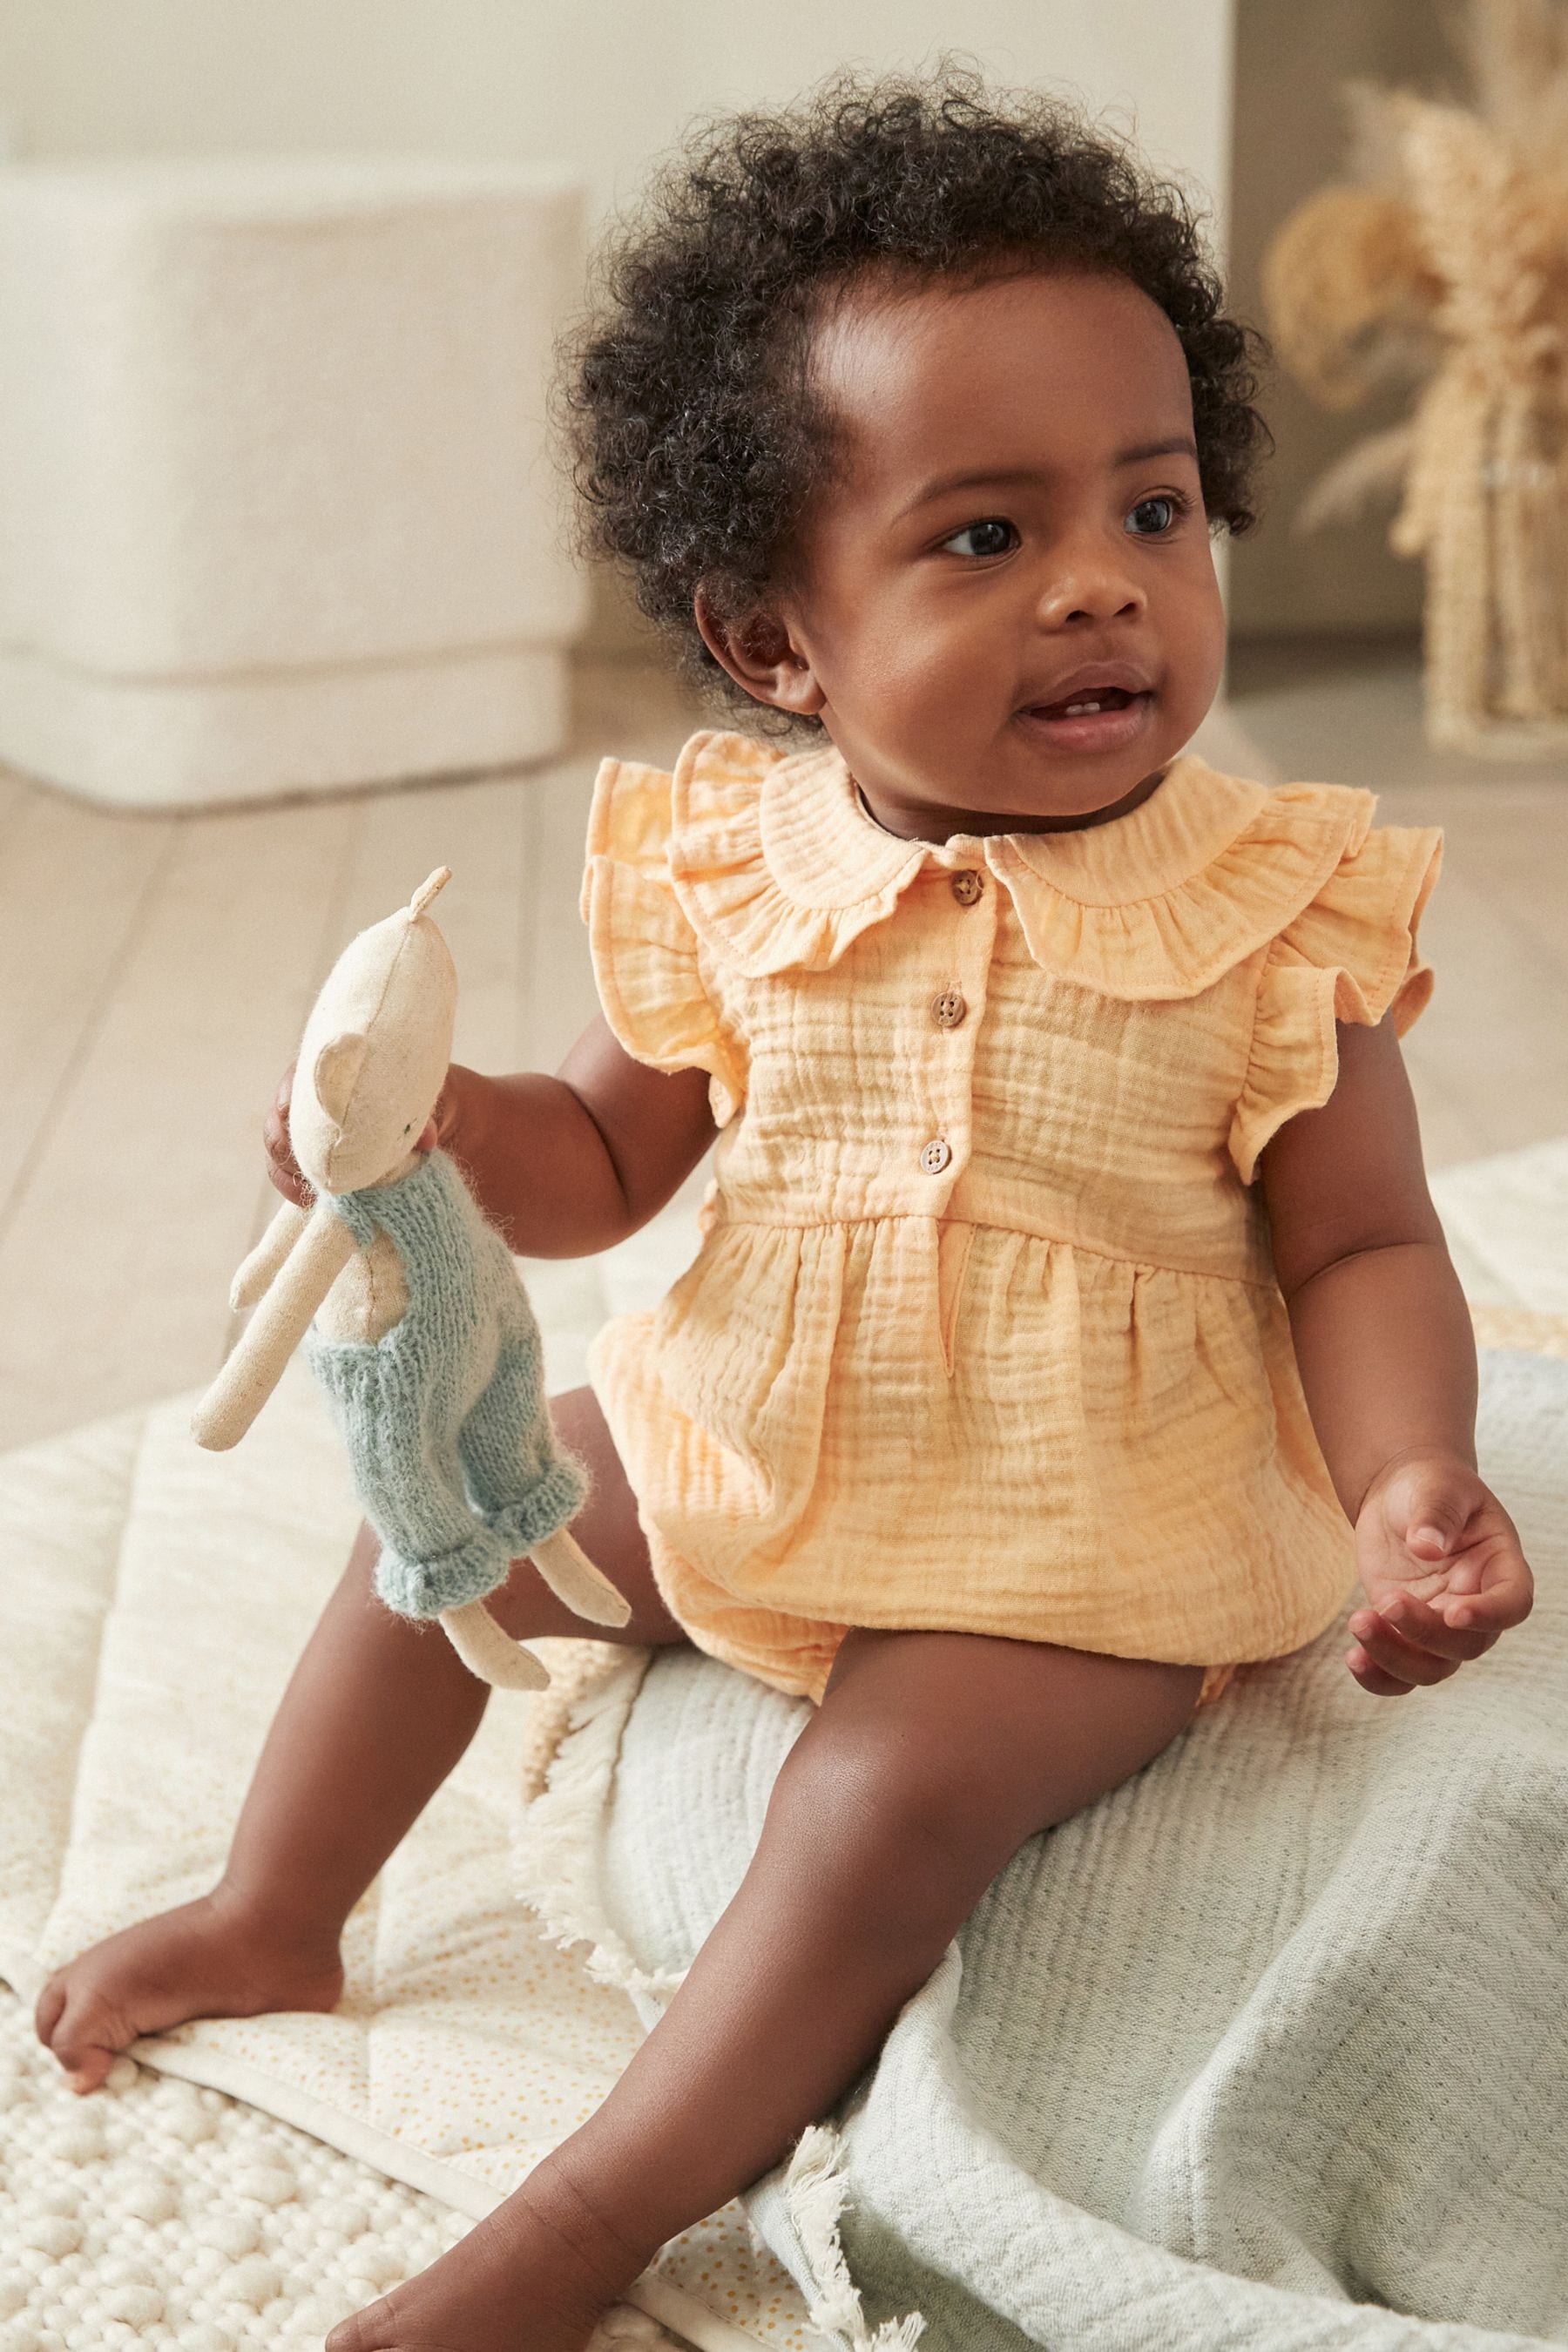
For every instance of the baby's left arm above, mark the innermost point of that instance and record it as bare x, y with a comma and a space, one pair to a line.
1388, 1364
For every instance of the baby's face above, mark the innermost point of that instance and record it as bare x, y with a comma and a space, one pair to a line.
998, 524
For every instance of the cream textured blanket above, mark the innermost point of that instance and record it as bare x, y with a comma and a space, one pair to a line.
1268, 2048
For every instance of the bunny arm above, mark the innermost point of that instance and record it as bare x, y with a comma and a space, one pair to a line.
255, 1276
489, 1653
255, 1365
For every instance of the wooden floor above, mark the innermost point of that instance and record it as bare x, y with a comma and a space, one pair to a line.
156, 972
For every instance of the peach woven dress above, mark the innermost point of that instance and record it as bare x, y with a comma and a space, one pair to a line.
983, 1333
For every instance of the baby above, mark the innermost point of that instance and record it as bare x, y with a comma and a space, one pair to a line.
1072, 1323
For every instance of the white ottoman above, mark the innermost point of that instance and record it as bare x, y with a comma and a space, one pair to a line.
277, 512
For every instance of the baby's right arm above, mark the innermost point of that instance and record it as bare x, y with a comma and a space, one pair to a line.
563, 1166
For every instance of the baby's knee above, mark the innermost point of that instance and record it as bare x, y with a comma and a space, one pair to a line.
891, 1811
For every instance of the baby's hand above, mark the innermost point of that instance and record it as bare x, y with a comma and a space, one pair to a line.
1441, 1566
284, 1169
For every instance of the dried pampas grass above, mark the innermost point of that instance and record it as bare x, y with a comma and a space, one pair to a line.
1445, 262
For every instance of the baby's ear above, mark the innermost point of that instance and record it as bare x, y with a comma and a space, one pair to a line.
337, 1066
761, 655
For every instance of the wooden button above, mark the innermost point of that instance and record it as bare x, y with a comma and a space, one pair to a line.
948, 1009
966, 886
935, 1156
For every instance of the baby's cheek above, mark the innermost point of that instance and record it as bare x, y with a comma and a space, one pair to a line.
932, 682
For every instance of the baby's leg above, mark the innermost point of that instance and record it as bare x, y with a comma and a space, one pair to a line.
378, 1713
932, 1758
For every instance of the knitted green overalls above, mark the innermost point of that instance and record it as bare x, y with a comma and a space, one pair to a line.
444, 1417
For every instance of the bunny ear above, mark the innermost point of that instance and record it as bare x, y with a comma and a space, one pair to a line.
429, 889
337, 1065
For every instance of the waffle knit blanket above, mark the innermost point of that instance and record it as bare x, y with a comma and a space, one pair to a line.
1266, 2049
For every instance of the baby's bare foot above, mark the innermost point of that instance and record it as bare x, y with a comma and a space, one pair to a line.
213, 1957
536, 2276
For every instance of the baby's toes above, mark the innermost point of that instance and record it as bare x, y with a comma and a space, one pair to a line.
48, 2007
373, 2329
87, 2034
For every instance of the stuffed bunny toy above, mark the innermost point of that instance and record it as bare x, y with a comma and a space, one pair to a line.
423, 1336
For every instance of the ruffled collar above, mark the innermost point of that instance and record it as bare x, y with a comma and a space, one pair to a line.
778, 866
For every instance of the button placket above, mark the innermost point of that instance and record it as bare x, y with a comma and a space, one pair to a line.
968, 940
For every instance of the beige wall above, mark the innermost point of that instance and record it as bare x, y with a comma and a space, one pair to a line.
1291, 136
601, 85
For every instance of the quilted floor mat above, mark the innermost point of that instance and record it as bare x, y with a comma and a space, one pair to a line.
154, 1599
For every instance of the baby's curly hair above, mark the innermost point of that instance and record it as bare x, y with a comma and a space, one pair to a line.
696, 435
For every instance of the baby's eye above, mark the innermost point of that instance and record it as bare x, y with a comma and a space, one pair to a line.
992, 537
1177, 507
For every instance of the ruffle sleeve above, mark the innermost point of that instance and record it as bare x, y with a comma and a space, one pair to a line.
1351, 954
647, 959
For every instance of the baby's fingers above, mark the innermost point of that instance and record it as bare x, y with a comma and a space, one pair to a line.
1424, 1627
1506, 1598
1399, 1659
283, 1171
282, 1167
1373, 1679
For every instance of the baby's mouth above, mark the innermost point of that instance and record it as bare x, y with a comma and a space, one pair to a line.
1102, 718
1103, 698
